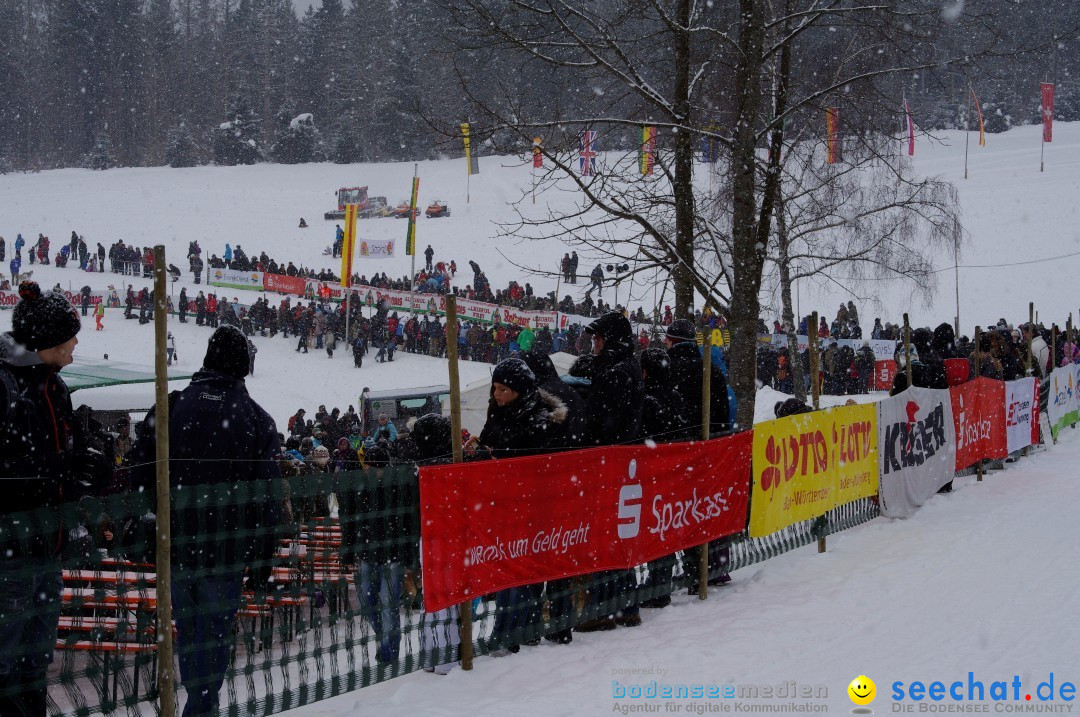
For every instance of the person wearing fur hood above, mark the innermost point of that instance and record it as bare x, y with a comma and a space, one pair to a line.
522, 418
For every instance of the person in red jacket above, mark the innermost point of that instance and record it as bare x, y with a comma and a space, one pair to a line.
211, 310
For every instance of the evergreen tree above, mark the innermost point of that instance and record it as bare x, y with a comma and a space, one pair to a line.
298, 140
101, 156
236, 139
181, 150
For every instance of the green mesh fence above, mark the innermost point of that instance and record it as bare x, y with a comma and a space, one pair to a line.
299, 590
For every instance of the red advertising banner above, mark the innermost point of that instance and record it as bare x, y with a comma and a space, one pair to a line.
1048, 111
979, 416
284, 284
884, 374
492, 525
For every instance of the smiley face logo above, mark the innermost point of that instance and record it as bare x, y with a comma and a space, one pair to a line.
862, 690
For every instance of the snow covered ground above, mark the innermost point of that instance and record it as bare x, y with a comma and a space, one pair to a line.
979, 581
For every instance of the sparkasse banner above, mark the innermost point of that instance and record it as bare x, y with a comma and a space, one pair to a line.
497, 524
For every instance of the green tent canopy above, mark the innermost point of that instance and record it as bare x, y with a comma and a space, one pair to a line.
96, 373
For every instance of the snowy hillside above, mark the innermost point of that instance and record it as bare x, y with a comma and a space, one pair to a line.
1012, 214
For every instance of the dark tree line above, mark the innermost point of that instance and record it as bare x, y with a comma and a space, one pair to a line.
144, 82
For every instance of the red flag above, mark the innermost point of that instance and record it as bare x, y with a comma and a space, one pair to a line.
832, 135
910, 130
1048, 111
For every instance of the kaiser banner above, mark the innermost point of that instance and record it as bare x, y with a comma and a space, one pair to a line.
806, 465
916, 448
381, 249
1021, 414
979, 416
565, 514
1063, 407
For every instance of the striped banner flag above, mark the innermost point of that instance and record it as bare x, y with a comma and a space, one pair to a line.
410, 236
978, 113
832, 135
1048, 111
472, 161
587, 156
647, 150
348, 245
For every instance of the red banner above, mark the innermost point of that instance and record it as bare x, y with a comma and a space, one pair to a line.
979, 417
1048, 111
284, 284
498, 524
832, 135
884, 374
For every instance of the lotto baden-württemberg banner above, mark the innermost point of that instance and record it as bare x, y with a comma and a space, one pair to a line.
1021, 413
1063, 406
806, 465
916, 448
497, 524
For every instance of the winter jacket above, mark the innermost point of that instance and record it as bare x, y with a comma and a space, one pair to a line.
686, 379
533, 423
37, 445
380, 516
224, 477
616, 394
664, 414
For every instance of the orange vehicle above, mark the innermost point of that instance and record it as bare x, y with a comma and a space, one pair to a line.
401, 211
348, 195
437, 209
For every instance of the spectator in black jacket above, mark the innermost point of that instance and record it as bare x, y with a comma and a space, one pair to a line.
686, 378
615, 400
43, 460
224, 443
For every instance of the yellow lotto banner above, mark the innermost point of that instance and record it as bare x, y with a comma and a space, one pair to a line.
806, 465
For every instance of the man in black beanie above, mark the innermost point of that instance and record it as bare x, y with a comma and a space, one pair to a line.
44, 461
218, 437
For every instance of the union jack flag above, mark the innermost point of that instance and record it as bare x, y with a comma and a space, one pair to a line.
587, 158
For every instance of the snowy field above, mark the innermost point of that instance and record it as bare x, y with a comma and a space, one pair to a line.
979, 581
1012, 214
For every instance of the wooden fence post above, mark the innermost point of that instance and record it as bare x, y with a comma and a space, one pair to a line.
978, 371
163, 560
465, 609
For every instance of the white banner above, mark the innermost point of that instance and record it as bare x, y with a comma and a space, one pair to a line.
381, 249
883, 349
1063, 405
916, 448
236, 279
1021, 411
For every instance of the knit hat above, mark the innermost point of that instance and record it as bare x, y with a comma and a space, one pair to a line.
514, 374
790, 407
227, 352
656, 364
42, 321
681, 330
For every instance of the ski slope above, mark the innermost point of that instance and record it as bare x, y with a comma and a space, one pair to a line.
981, 580
1012, 213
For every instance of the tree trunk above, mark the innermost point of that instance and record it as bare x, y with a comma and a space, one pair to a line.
748, 256
795, 367
682, 187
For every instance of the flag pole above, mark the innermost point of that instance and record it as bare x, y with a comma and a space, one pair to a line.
967, 132
1042, 144
412, 221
